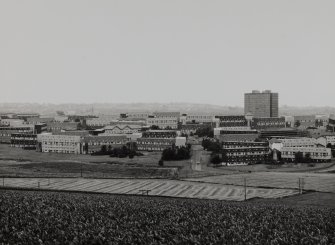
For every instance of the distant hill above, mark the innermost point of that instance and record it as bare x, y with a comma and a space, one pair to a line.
116, 108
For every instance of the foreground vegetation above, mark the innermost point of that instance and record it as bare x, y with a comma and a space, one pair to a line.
64, 218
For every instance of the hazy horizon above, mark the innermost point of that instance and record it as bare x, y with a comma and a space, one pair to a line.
167, 51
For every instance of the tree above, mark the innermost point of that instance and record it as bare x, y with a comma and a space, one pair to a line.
154, 127
215, 159
210, 145
207, 131
224, 155
215, 147
297, 124
103, 148
329, 145
161, 163
299, 157
176, 153
308, 158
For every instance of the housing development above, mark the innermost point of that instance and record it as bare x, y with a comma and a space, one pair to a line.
260, 135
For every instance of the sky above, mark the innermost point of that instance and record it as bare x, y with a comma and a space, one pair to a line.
208, 52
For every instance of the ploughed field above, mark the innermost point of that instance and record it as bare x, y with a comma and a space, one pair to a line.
156, 187
324, 182
35, 217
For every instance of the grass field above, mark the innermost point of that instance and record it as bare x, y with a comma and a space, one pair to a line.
12, 153
157, 187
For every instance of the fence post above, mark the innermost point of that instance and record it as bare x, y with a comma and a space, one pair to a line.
38, 184
3, 181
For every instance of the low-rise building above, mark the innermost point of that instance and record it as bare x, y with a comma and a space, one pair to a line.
162, 134
304, 122
327, 139
245, 152
135, 115
331, 123
25, 116
56, 127
96, 123
232, 121
317, 154
136, 122
235, 134
26, 140
191, 128
293, 142
154, 144
268, 122
11, 122
81, 133
159, 144
59, 143
121, 129
162, 123
91, 144
164, 120
281, 133
196, 118
6, 132
38, 120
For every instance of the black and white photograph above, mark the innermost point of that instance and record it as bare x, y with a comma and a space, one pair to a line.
167, 122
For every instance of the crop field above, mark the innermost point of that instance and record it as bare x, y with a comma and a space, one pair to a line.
30, 217
156, 187
323, 182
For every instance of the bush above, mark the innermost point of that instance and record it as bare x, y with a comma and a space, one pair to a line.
161, 163
210, 145
207, 131
176, 153
216, 159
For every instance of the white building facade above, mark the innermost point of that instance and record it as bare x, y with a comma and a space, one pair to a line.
59, 143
